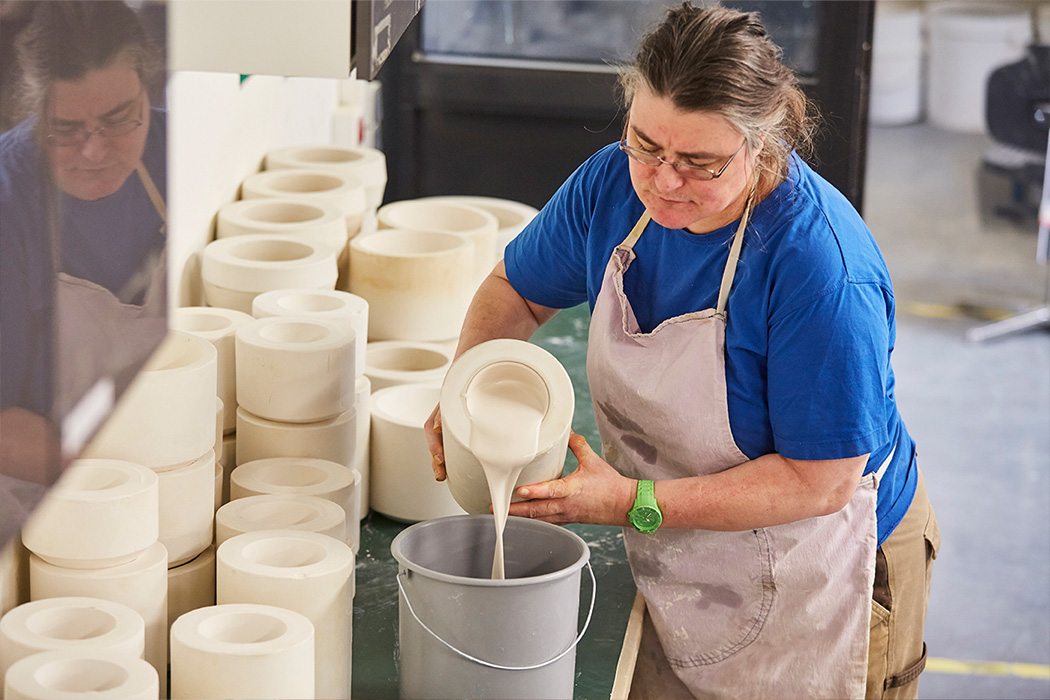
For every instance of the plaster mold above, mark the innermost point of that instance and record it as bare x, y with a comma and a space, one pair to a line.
100, 513
220, 429
73, 624
480, 226
283, 511
295, 369
309, 573
306, 477
418, 284
229, 461
14, 575
513, 216
167, 415
332, 305
317, 221
218, 326
368, 164
240, 651
403, 485
479, 371
333, 439
346, 192
187, 508
363, 431
191, 585
81, 675
393, 362
141, 584
217, 486
236, 270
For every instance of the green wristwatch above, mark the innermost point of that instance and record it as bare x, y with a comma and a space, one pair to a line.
645, 516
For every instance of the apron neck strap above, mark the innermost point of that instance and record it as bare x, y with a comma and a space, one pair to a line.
734, 255
152, 191
636, 232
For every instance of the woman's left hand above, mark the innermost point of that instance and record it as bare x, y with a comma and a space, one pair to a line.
594, 493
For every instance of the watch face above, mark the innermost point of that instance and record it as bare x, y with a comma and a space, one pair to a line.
646, 519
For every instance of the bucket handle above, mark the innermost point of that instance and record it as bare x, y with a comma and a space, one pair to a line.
586, 624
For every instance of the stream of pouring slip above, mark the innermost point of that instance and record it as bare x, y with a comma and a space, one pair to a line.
504, 437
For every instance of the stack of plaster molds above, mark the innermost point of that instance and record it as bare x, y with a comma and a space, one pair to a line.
296, 392
79, 627
95, 535
218, 326
343, 438
166, 421
512, 216
344, 191
361, 162
306, 572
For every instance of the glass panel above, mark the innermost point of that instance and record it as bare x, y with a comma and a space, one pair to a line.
590, 31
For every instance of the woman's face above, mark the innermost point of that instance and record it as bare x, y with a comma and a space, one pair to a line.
97, 165
704, 139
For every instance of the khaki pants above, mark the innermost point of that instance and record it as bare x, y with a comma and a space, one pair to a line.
903, 564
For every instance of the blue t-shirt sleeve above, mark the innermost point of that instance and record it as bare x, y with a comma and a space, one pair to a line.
547, 262
829, 373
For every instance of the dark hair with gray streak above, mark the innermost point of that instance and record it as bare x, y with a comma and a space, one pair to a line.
67, 40
718, 60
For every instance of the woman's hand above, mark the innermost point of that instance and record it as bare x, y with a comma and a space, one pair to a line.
432, 432
594, 493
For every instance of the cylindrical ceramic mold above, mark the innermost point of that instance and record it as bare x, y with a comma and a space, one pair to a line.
318, 221
363, 432
187, 508
71, 623
191, 585
220, 427
281, 511
967, 41
480, 226
101, 512
344, 191
309, 573
229, 461
218, 326
491, 363
513, 216
403, 485
306, 477
332, 305
236, 270
393, 362
295, 369
141, 584
82, 675
369, 164
167, 415
241, 651
333, 439
418, 285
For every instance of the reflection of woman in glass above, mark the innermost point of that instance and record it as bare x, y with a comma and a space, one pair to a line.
81, 202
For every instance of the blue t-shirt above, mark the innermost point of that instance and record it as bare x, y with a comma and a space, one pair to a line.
103, 241
810, 317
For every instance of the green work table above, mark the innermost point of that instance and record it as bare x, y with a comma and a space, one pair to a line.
375, 655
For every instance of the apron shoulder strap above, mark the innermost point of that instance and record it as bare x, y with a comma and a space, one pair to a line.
636, 232
152, 191
734, 256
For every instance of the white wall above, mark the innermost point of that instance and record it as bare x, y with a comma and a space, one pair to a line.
219, 130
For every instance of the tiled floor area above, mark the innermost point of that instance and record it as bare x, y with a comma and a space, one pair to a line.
980, 412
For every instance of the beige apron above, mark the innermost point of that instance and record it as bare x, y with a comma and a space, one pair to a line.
98, 333
778, 612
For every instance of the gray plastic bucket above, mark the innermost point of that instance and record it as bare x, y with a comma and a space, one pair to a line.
463, 634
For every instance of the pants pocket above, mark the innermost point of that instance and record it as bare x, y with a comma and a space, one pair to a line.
878, 651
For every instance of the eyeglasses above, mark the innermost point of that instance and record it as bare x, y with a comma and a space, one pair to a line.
686, 170
78, 136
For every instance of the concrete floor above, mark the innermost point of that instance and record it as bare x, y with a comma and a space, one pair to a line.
980, 412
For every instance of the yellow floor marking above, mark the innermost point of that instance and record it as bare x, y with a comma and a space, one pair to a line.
988, 668
957, 311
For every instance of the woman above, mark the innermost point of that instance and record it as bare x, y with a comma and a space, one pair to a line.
81, 227
738, 359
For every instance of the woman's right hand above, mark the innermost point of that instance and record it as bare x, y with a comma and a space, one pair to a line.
432, 431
